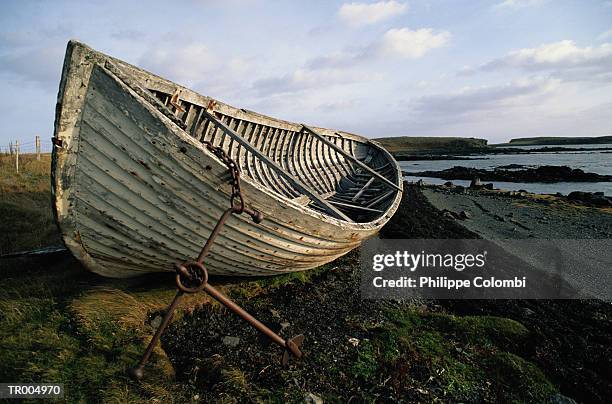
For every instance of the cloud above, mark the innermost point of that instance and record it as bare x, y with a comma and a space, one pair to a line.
41, 65
305, 79
337, 60
188, 64
605, 35
401, 43
557, 54
472, 100
517, 4
346, 67
563, 59
199, 67
359, 14
407, 43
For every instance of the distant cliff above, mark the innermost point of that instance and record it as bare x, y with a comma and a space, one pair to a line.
410, 146
543, 140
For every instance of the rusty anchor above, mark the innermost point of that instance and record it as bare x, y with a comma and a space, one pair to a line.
192, 277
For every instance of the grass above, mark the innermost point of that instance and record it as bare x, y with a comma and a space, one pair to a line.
470, 358
59, 323
551, 140
424, 145
25, 204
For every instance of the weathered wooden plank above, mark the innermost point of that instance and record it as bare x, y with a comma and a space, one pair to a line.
310, 161
320, 165
362, 190
352, 158
294, 181
356, 207
378, 200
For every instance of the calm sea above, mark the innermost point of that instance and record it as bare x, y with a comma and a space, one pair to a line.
599, 162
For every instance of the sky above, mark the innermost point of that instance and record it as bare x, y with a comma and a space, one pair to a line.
488, 69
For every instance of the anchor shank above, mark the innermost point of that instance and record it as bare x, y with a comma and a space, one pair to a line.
224, 300
137, 371
215, 233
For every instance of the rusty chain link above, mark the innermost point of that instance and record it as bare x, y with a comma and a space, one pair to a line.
234, 172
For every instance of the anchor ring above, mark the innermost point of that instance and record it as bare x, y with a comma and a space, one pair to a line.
191, 276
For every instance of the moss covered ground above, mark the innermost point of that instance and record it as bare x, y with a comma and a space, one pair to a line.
59, 323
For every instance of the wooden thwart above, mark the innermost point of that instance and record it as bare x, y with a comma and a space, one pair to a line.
350, 157
358, 207
379, 199
332, 210
362, 190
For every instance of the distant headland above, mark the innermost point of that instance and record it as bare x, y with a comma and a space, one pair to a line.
440, 148
555, 140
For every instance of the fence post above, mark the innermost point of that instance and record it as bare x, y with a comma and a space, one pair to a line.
17, 155
38, 148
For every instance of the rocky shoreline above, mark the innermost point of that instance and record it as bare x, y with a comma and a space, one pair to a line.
480, 153
516, 173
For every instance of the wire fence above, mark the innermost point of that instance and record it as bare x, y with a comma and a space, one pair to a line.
27, 147
16, 150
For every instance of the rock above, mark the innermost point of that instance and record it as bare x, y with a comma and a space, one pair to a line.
231, 341
528, 312
448, 184
465, 215
310, 398
499, 218
156, 322
539, 174
561, 399
511, 167
353, 341
488, 186
590, 198
448, 215
460, 189
475, 183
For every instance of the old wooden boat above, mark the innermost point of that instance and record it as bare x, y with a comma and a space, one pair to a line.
135, 190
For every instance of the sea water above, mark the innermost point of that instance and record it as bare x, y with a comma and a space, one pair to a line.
595, 161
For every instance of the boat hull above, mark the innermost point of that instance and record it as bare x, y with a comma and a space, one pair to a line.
133, 193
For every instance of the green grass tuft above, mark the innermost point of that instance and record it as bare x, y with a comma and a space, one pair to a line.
471, 358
